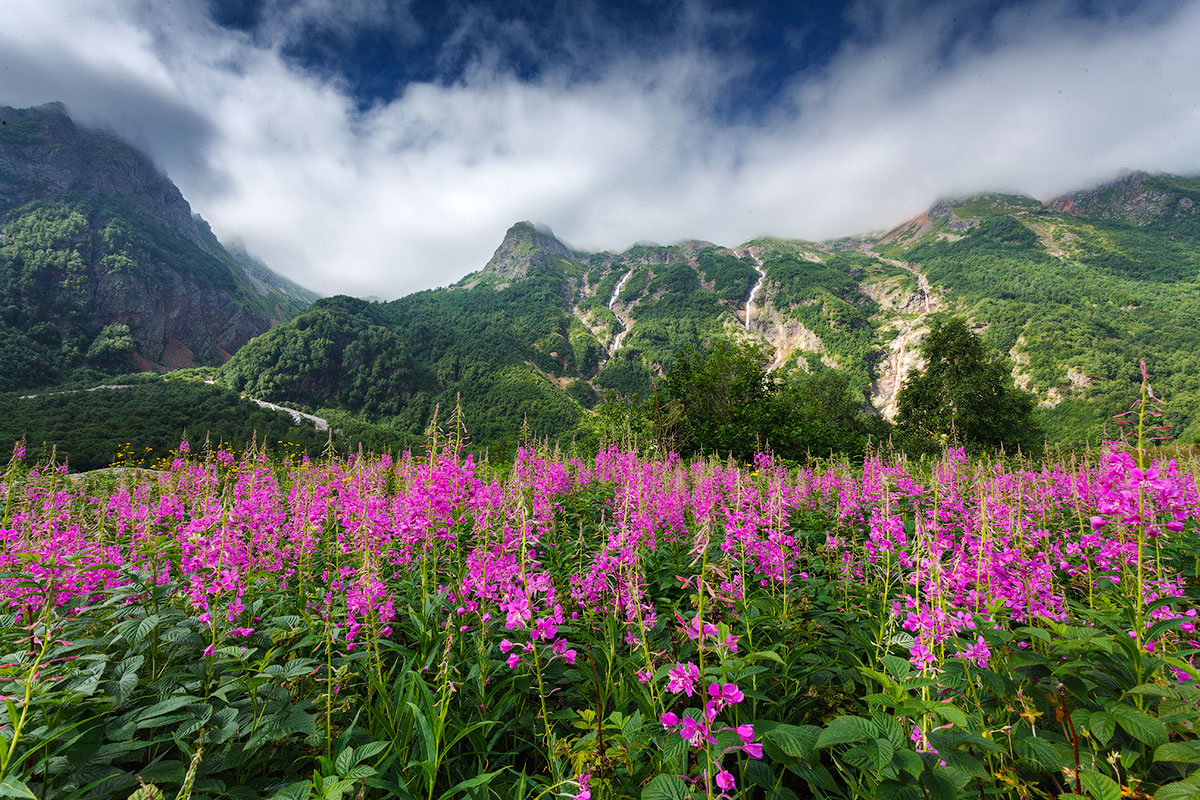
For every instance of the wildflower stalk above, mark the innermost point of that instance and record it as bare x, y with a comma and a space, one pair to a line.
6, 755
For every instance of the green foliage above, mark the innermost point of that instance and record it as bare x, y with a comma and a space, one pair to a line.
398, 363
724, 401
627, 374
93, 236
142, 424
1121, 286
732, 277
112, 347
964, 397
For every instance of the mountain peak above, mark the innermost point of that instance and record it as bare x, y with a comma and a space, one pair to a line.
525, 245
1135, 197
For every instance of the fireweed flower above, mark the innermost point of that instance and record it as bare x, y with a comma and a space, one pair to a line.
694, 732
725, 780
723, 696
683, 678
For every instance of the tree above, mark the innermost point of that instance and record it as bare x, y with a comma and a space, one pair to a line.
724, 400
112, 347
721, 399
820, 416
964, 397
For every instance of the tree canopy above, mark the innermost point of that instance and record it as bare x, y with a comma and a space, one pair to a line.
965, 396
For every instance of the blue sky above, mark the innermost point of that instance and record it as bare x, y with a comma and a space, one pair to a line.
377, 148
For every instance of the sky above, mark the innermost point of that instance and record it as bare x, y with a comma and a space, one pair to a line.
378, 148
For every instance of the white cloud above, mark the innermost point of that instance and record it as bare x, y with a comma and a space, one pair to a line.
416, 192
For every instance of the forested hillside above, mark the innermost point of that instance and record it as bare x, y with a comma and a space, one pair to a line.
103, 266
1078, 291
104, 269
1074, 293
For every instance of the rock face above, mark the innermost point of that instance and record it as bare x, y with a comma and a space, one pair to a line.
92, 235
525, 246
1137, 198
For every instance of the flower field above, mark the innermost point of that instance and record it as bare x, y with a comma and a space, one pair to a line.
430, 627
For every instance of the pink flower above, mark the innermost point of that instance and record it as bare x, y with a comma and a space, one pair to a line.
746, 732
669, 720
513, 660
725, 780
683, 678
694, 732
753, 749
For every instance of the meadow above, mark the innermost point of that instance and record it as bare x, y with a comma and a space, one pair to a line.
236, 626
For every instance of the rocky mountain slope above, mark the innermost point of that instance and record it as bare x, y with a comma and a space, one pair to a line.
103, 265
1075, 291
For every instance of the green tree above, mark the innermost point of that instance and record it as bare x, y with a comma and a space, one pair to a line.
965, 397
819, 415
112, 347
723, 398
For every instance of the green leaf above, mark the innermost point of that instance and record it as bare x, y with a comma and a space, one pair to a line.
145, 627
428, 744
1039, 750
795, 740
908, 761
295, 791
845, 730
344, 760
1140, 725
665, 787
369, 750
11, 787
359, 772
471, 783
164, 707
1180, 790
897, 667
1103, 725
765, 655
950, 713
1037, 633
1162, 626
782, 793
872, 755
1181, 752
1099, 786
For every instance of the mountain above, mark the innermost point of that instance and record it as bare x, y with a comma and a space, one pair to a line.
542, 331
104, 266
1075, 291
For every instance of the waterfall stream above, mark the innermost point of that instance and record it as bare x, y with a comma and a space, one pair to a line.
611, 302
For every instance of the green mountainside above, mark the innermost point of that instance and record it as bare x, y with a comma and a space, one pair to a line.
104, 267
1075, 292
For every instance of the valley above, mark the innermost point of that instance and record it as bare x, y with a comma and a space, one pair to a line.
1074, 291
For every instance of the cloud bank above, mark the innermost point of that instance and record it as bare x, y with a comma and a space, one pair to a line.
645, 144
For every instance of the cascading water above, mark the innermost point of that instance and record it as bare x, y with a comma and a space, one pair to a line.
611, 302
754, 289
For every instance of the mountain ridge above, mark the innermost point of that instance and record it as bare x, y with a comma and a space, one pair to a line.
1037, 282
104, 265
